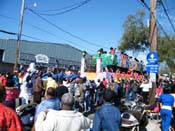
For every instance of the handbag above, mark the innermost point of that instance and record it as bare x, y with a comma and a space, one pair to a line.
157, 108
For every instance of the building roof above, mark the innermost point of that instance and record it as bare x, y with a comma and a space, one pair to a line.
64, 53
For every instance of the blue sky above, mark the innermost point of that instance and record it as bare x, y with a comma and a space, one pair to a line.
100, 22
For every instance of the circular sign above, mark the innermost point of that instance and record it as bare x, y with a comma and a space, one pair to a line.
152, 58
41, 58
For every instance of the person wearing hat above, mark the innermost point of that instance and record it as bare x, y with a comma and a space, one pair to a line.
64, 120
167, 101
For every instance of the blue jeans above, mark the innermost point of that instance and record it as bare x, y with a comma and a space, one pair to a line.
99, 98
127, 95
166, 116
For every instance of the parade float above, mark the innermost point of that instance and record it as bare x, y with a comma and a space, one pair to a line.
118, 65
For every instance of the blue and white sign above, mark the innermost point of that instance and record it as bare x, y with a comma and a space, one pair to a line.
152, 58
152, 68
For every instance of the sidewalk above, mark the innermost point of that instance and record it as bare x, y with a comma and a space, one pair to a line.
153, 125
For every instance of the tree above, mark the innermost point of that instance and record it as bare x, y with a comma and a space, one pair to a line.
136, 37
136, 33
166, 49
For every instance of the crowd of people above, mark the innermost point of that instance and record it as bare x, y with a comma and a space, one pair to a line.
63, 96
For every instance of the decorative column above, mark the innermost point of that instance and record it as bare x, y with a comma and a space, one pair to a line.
82, 69
98, 65
99, 62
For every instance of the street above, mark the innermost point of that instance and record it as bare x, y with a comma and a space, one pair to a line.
153, 125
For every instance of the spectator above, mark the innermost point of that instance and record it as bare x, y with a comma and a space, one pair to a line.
79, 95
108, 117
25, 91
3, 80
51, 102
99, 93
112, 51
159, 91
61, 90
38, 89
11, 93
145, 90
167, 101
9, 120
63, 120
105, 83
50, 82
16, 79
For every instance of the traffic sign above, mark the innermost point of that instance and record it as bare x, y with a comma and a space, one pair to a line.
153, 77
152, 58
152, 68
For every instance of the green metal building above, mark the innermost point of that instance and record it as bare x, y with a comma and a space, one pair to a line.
60, 55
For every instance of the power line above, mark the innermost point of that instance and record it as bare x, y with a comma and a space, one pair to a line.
12, 33
11, 18
50, 33
40, 40
66, 7
34, 38
143, 1
7, 32
161, 27
167, 15
59, 28
71, 8
166, 35
140, 2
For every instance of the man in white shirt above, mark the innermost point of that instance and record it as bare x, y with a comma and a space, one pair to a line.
145, 90
63, 120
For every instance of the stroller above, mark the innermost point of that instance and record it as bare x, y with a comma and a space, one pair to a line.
26, 114
133, 121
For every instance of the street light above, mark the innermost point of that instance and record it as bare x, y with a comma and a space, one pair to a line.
19, 32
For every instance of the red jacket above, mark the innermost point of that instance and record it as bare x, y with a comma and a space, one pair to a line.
11, 93
9, 120
3, 80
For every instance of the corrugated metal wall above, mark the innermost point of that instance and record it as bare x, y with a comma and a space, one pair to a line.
61, 52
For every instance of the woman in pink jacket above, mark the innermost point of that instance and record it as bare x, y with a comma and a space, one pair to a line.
11, 93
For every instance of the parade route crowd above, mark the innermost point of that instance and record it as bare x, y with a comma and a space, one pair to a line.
62, 97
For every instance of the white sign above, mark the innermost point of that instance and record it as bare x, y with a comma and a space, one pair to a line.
153, 77
41, 58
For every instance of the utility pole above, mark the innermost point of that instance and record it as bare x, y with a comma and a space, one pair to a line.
153, 44
153, 30
19, 35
